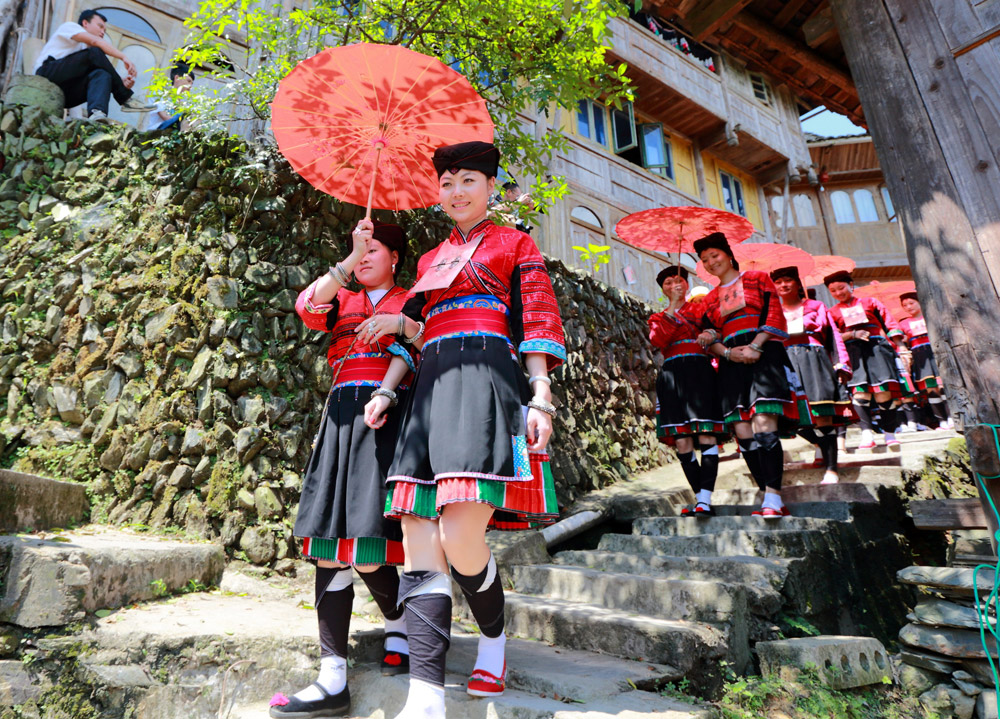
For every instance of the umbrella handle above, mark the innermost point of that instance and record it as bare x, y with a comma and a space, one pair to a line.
371, 189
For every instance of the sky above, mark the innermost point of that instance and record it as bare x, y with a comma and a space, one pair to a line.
829, 124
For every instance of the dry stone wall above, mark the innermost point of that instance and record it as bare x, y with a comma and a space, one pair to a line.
150, 349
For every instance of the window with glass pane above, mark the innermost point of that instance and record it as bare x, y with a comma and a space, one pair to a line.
583, 125
732, 194
761, 90
890, 211
843, 211
865, 203
623, 128
805, 215
597, 115
130, 22
657, 155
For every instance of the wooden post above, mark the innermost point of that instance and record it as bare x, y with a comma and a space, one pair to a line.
926, 116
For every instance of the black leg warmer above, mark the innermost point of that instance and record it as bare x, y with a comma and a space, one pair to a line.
750, 450
383, 583
863, 408
333, 609
428, 623
709, 466
691, 469
772, 458
484, 593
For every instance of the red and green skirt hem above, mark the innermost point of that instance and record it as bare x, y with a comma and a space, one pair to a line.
519, 504
669, 433
358, 551
842, 413
894, 387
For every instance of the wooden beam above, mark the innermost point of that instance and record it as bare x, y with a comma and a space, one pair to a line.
947, 514
787, 13
819, 28
724, 135
794, 50
850, 108
708, 16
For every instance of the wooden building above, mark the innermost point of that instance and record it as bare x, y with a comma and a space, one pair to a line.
847, 211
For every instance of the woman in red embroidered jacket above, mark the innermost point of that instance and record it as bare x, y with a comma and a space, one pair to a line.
747, 330
923, 367
866, 326
819, 358
340, 517
469, 452
687, 391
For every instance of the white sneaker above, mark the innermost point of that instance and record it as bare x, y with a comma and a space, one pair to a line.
830, 477
867, 440
891, 442
98, 116
947, 424
135, 105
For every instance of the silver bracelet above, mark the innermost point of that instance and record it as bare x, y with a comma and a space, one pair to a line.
539, 378
340, 275
382, 392
402, 325
414, 338
756, 348
543, 406
725, 355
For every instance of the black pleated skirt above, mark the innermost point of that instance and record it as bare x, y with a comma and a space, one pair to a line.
343, 491
924, 368
827, 396
687, 398
768, 386
874, 364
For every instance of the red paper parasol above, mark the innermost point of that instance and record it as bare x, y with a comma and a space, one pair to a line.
764, 257
361, 122
675, 229
888, 294
826, 265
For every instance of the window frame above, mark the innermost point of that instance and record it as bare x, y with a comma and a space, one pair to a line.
735, 191
668, 151
759, 78
626, 114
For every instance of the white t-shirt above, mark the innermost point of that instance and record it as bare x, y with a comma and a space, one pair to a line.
61, 44
376, 295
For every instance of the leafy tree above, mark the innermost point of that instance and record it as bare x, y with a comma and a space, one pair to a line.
524, 56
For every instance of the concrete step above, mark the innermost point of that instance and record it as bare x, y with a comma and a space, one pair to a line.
59, 579
693, 526
191, 641
32, 503
693, 600
754, 543
761, 578
693, 649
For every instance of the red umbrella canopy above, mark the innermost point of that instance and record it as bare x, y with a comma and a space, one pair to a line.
675, 229
764, 257
888, 294
825, 265
361, 122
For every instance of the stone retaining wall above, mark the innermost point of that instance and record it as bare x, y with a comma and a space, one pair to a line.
149, 345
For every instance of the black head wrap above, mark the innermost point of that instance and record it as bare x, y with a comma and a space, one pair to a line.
841, 276
716, 241
475, 155
909, 296
791, 273
672, 271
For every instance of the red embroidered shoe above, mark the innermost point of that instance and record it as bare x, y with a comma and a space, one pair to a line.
484, 684
394, 663
769, 513
687, 512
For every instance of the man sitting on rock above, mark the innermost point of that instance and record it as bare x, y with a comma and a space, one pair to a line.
76, 59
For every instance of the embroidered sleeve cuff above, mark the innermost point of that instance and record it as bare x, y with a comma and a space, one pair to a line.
314, 308
841, 367
400, 351
895, 333
775, 332
549, 347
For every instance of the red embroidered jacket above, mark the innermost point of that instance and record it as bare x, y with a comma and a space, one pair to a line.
915, 339
677, 336
820, 330
879, 322
363, 363
762, 312
506, 265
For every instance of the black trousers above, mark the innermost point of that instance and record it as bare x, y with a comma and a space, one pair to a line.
88, 76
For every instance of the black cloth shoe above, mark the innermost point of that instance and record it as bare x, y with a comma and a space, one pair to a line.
331, 705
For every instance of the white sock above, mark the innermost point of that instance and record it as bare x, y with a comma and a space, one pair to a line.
705, 497
332, 677
491, 654
396, 644
424, 701
772, 501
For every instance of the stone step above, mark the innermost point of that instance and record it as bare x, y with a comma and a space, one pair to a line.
693, 600
55, 581
761, 578
692, 649
941, 613
195, 638
955, 643
694, 526
29, 503
870, 492
956, 580
887, 472
754, 543
379, 697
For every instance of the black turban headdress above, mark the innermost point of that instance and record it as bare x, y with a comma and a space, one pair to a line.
475, 155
